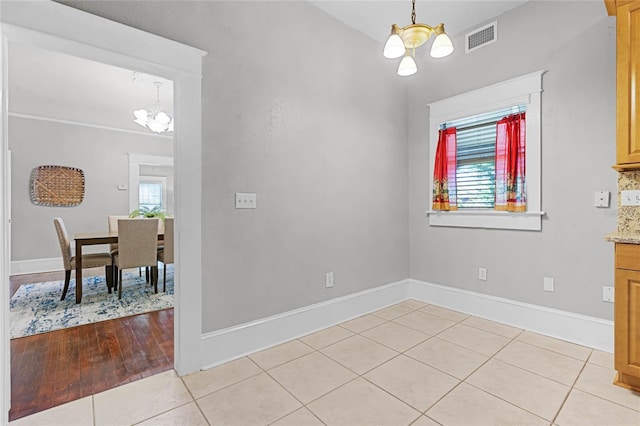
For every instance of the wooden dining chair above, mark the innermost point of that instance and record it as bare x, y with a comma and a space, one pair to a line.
90, 260
165, 254
137, 247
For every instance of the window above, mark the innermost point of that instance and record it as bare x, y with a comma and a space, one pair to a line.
474, 114
150, 195
475, 154
151, 182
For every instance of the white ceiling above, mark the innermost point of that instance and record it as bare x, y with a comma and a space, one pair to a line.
374, 18
49, 84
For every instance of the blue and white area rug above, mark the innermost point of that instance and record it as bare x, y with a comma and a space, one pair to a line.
37, 308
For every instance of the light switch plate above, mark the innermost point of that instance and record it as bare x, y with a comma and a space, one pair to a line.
328, 280
482, 274
607, 294
549, 284
630, 198
245, 200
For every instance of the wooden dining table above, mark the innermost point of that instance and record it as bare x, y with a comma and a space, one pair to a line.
92, 239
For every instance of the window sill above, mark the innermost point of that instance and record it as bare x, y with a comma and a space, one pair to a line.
525, 221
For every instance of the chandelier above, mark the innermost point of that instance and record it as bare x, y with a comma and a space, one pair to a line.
154, 118
403, 41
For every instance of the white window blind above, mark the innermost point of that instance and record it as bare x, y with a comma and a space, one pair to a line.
476, 148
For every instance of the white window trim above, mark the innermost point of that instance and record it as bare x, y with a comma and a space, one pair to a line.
523, 90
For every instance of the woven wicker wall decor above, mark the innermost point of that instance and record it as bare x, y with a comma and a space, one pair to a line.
57, 186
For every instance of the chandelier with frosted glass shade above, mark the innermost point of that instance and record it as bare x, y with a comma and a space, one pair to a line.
403, 41
154, 118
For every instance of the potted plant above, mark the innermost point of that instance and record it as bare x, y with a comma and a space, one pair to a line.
146, 212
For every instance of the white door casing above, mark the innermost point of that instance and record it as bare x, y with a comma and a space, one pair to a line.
66, 30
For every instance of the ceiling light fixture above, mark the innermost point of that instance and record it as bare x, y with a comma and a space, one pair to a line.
403, 41
154, 118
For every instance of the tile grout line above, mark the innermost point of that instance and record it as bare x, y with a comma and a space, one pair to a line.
515, 338
358, 375
303, 405
538, 374
93, 410
600, 396
570, 389
470, 374
555, 351
234, 383
194, 400
509, 402
422, 413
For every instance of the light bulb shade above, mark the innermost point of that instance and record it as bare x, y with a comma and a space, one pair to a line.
394, 47
140, 114
407, 66
162, 117
157, 127
161, 122
441, 46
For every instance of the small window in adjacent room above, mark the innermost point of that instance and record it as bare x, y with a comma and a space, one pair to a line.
150, 195
485, 157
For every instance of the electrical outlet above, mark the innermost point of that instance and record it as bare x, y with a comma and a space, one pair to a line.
328, 280
482, 274
549, 284
607, 294
630, 198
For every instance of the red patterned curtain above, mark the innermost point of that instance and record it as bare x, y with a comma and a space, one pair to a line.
511, 193
444, 172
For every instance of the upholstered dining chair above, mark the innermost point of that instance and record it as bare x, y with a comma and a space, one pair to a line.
90, 260
137, 247
165, 254
113, 227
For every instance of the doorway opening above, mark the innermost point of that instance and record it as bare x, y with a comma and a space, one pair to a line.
78, 114
59, 28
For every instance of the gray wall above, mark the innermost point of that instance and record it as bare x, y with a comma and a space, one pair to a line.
575, 42
101, 154
306, 113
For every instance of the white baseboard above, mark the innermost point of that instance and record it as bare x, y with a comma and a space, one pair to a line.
34, 266
235, 342
54, 264
584, 330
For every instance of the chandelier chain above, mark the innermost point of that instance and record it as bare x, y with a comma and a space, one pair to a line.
413, 11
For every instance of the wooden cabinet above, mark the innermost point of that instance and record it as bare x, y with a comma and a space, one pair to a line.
628, 90
627, 315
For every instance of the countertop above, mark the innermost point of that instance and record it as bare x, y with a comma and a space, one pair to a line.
623, 237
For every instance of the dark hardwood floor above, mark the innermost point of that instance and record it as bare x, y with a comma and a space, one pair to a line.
53, 368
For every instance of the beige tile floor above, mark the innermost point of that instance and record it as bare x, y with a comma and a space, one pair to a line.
408, 364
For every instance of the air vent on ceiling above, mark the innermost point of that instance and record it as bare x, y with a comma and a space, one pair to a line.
481, 37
